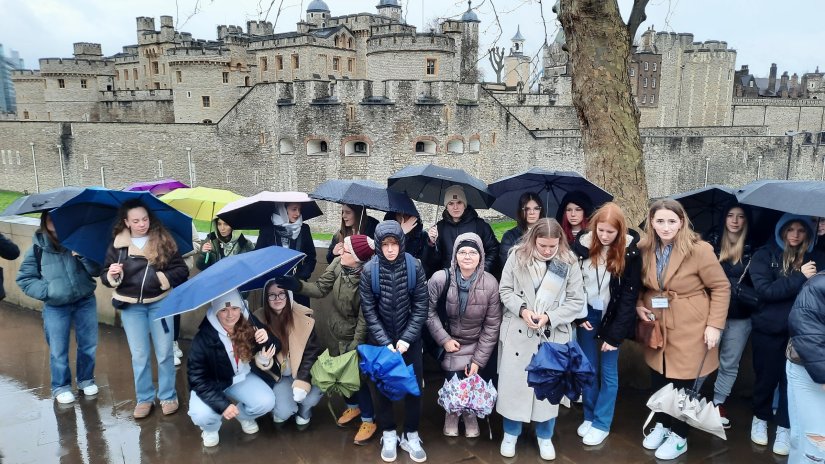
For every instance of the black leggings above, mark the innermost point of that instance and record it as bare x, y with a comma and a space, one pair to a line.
412, 404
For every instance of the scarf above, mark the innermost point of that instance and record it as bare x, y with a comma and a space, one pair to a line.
283, 227
549, 291
662, 260
463, 290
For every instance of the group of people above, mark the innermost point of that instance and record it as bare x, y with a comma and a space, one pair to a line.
484, 308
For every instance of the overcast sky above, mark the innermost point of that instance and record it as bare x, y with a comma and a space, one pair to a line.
789, 33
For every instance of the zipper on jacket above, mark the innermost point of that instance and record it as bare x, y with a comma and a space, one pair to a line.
143, 284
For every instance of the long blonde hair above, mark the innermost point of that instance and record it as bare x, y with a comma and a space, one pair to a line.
685, 240
732, 250
525, 249
793, 256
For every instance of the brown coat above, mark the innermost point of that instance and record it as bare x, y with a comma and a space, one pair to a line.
698, 292
303, 346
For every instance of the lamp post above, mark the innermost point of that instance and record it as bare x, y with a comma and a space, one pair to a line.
191, 168
62, 173
34, 165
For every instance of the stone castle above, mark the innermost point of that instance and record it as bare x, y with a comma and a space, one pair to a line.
362, 95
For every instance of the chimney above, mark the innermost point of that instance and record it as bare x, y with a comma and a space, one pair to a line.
772, 80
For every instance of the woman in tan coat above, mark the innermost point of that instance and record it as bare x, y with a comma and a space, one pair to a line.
541, 289
686, 290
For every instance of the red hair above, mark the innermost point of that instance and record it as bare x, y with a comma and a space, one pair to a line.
568, 229
610, 213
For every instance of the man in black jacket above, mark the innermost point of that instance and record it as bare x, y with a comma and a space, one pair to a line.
395, 318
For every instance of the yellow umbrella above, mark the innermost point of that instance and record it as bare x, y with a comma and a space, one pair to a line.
200, 202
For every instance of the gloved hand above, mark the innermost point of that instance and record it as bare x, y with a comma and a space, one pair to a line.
288, 283
298, 394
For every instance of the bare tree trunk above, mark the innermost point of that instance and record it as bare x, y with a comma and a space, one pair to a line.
599, 42
496, 57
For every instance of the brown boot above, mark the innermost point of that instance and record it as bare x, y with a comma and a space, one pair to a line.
365, 432
451, 425
471, 425
142, 410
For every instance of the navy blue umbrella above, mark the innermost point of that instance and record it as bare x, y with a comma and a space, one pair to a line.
558, 370
365, 193
386, 368
44, 201
84, 223
550, 186
427, 183
246, 271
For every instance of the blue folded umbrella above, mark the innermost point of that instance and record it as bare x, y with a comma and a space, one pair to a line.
246, 271
386, 368
558, 370
84, 223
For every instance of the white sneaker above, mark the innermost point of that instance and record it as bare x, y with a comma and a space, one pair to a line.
508, 445
594, 437
90, 390
177, 361
65, 398
411, 443
249, 426
210, 438
584, 428
656, 437
389, 445
277, 419
300, 420
672, 448
782, 444
546, 449
759, 431
177, 352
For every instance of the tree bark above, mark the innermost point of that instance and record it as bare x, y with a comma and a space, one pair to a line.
599, 42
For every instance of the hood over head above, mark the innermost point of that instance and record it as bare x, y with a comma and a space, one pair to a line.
577, 197
468, 239
388, 229
788, 217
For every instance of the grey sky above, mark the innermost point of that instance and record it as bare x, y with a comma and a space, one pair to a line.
791, 36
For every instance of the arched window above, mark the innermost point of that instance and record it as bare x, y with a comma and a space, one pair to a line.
324, 147
455, 146
317, 147
419, 147
286, 147
360, 147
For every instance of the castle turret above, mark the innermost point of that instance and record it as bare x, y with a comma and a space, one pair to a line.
517, 65
87, 51
144, 24
390, 9
772, 81
167, 29
793, 91
518, 43
318, 13
259, 28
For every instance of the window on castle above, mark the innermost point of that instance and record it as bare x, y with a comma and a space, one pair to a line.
117, 75
134, 73
163, 69
61, 83
652, 99
279, 62
349, 43
632, 72
431, 66
25, 115
644, 99
83, 84
336, 63
419, 147
286, 147
475, 144
207, 121
246, 81
263, 64
226, 78
455, 146
155, 69
654, 66
646, 65
425, 147
317, 147
360, 147
179, 76
654, 83
645, 82
157, 86
350, 65
750, 84
126, 74
205, 99
357, 148
296, 62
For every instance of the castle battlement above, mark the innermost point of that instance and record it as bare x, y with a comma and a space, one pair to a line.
401, 42
25, 74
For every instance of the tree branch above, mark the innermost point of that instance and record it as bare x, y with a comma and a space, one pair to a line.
637, 17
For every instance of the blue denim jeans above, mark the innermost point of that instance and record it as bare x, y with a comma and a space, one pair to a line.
286, 407
362, 399
599, 399
143, 333
253, 398
544, 430
57, 325
734, 338
806, 401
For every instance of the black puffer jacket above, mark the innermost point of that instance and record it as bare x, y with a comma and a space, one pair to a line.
415, 240
395, 314
806, 325
734, 273
269, 236
439, 256
508, 241
208, 366
619, 321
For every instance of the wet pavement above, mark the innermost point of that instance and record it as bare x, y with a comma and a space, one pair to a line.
34, 428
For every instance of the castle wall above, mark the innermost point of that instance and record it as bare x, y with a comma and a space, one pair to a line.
780, 115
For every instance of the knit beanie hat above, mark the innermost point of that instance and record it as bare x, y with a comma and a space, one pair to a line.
455, 192
468, 243
360, 247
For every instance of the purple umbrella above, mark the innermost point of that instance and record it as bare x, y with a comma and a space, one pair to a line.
156, 187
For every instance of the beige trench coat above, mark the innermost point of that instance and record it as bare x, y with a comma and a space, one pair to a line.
518, 344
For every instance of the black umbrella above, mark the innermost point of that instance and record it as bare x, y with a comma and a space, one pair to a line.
366, 193
550, 186
45, 201
427, 183
705, 206
806, 198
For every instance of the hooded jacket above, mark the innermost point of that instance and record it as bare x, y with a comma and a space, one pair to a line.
776, 290
806, 326
221, 248
140, 281
619, 318
578, 198
59, 278
269, 236
735, 271
439, 256
415, 239
208, 365
476, 330
395, 314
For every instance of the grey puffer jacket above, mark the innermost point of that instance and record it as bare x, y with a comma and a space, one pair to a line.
395, 314
476, 331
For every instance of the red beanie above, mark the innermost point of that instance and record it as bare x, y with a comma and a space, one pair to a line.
360, 246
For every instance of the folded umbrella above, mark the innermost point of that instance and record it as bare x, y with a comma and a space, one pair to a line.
364, 193
200, 202
255, 212
337, 374
246, 271
558, 370
156, 187
386, 368
39, 202
427, 183
84, 223
471, 395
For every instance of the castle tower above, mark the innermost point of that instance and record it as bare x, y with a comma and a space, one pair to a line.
469, 45
517, 65
87, 51
783, 85
390, 9
772, 81
793, 92
144, 24
167, 29
318, 13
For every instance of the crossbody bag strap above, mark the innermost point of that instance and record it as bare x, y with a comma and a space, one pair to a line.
744, 272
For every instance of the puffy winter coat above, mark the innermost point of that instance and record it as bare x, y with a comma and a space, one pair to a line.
345, 322
476, 330
776, 290
508, 241
806, 325
735, 271
439, 256
208, 367
140, 281
303, 243
619, 319
415, 240
59, 278
395, 314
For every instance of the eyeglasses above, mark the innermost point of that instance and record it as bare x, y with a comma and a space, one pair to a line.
470, 253
276, 296
527, 209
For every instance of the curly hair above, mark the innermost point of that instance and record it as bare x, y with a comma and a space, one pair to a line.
243, 339
161, 247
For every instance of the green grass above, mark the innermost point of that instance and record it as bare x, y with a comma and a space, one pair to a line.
7, 197
499, 228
